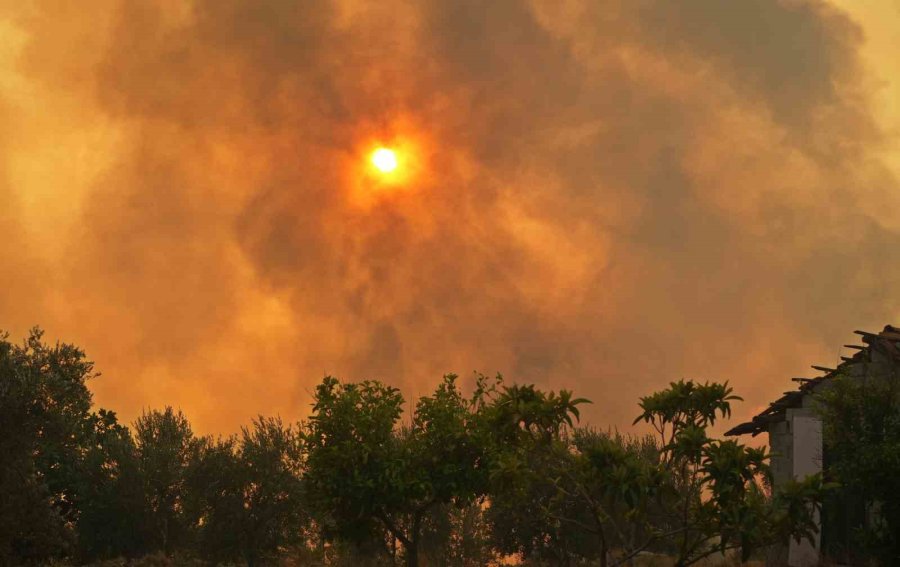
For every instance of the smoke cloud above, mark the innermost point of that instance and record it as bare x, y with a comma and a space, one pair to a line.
603, 196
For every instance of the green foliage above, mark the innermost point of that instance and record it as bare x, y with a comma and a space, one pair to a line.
465, 480
686, 406
619, 481
44, 416
444, 444
792, 504
272, 462
164, 445
353, 459
214, 495
110, 487
716, 498
587, 497
523, 412
366, 475
529, 451
563, 498
456, 536
246, 493
861, 417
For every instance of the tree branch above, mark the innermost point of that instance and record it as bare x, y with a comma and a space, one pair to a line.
391, 527
645, 545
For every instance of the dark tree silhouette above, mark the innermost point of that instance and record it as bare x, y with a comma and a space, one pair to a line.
44, 417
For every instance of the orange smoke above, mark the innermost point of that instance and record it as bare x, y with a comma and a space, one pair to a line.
597, 197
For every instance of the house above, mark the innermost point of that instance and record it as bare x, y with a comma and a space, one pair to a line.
795, 441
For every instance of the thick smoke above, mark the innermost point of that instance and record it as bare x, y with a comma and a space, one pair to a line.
607, 195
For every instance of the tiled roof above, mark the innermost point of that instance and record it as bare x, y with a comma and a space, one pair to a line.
886, 341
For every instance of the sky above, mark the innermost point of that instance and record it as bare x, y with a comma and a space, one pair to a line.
602, 196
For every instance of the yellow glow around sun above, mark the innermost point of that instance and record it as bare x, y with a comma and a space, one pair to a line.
384, 160
387, 165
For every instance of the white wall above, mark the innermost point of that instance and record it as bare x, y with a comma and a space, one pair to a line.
806, 459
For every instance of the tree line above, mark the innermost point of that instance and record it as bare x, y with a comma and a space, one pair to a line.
462, 478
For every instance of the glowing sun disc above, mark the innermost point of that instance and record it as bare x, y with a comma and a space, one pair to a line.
384, 160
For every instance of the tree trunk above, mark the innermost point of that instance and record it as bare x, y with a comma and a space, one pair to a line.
412, 549
604, 552
412, 555
410, 544
165, 536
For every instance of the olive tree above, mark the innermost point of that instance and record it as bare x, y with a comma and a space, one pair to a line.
165, 444
44, 420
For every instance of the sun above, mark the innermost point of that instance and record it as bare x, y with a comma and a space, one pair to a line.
384, 160
386, 167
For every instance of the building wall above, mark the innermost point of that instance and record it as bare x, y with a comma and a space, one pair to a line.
807, 460
796, 446
781, 447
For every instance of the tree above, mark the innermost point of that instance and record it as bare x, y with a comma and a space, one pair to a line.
214, 495
529, 447
861, 434
367, 474
111, 496
165, 444
505, 465
717, 499
457, 536
618, 482
44, 413
530, 514
567, 496
245, 493
271, 461
350, 455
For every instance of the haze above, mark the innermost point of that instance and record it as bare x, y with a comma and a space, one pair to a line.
609, 195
